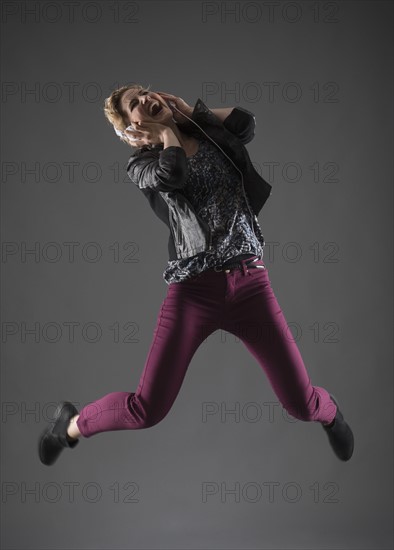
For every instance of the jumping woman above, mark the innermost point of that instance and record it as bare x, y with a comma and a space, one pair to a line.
194, 169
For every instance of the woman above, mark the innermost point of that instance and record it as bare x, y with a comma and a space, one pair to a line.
194, 169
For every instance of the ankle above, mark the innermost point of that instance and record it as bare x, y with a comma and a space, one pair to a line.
72, 429
329, 424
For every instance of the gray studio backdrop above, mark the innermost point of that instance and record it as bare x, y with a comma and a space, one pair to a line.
82, 263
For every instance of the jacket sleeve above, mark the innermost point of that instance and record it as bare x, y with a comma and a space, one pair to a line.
239, 122
242, 123
166, 173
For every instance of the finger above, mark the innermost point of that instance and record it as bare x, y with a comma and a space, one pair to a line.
132, 130
132, 134
164, 94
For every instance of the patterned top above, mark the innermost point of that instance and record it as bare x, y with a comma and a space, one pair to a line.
214, 188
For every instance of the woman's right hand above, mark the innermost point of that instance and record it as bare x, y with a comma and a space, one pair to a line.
146, 133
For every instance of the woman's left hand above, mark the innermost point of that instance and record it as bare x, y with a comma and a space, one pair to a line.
179, 104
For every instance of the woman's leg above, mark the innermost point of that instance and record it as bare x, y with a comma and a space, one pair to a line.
254, 316
183, 322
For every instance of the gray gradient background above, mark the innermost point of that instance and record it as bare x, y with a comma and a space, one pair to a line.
346, 291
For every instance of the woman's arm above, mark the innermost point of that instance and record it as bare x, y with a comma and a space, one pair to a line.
170, 139
238, 121
166, 173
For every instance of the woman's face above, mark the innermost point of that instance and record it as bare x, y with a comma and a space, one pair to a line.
144, 107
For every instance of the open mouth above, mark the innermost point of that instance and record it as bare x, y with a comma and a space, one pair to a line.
156, 109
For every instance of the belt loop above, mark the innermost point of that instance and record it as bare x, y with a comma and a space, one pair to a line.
245, 268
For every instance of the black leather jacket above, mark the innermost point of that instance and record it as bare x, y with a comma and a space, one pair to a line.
162, 173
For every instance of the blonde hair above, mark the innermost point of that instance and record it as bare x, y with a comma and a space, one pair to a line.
113, 109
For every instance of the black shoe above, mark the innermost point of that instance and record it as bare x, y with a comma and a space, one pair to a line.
340, 435
55, 438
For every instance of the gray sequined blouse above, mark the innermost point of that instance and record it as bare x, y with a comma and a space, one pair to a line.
214, 188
